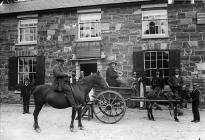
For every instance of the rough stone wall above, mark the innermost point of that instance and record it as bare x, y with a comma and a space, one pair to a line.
121, 31
56, 31
189, 37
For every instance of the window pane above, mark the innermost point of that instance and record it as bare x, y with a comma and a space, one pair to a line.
153, 64
165, 55
147, 56
147, 64
153, 55
159, 63
165, 63
159, 55
20, 68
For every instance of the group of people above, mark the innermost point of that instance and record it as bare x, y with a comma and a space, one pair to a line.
62, 84
175, 82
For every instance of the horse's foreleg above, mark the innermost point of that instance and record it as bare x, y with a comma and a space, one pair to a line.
80, 126
38, 108
152, 117
72, 119
175, 113
148, 111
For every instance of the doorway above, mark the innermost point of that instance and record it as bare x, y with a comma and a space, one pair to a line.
88, 68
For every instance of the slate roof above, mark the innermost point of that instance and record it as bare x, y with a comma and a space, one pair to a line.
36, 5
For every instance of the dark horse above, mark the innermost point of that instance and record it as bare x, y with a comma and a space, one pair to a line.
167, 98
45, 94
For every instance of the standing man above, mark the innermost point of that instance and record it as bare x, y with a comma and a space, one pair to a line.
176, 83
61, 82
195, 103
157, 84
112, 75
26, 89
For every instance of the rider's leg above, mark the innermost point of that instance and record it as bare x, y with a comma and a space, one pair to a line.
70, 98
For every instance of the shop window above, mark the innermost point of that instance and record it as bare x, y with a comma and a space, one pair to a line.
27, 31
145, 63
154, 24
89, 26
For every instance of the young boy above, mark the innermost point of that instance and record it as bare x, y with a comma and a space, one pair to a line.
26, 93
195, 103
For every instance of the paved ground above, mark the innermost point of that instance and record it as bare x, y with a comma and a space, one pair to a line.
134, 126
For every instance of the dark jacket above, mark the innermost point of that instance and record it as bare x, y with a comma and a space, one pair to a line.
59, 77
111, 77
175, 82
26, 90
157, 82
195, 96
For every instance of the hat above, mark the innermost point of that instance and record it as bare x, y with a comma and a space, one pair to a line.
113, 61
60, 59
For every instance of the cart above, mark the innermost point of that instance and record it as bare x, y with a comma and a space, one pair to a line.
109, 106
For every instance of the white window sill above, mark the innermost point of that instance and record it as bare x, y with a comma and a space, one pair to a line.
90, 39
154, 36
26, 43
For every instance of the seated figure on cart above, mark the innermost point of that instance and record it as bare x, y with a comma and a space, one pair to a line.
112, 75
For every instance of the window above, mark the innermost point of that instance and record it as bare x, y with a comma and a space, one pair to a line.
89, 25
145, 63
26, 68
154, 24
154, 60
27, 31
21, 67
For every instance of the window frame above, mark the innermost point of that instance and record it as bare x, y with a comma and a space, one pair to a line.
155, 16
35, 33
25, 72
156, 67
97, 21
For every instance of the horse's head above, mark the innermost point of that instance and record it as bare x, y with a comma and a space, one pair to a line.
98, 80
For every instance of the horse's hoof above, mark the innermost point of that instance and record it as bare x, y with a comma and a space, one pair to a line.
153, 119
176, 120
38, 130
72, 130
81, 127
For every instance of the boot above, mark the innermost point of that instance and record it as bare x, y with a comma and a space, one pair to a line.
71, 100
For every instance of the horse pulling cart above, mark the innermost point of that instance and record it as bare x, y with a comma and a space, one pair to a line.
109, 106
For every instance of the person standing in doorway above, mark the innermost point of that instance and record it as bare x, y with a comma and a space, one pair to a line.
195, 103
26, 89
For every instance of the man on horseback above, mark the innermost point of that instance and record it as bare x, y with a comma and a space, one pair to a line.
61, 82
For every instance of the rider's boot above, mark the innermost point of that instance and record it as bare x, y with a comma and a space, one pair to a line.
72, 101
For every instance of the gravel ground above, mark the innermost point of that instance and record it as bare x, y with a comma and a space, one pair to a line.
134, 126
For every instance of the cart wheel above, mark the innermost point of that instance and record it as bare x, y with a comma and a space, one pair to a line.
109, 106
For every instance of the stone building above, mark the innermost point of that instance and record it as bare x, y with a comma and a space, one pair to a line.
143, 35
